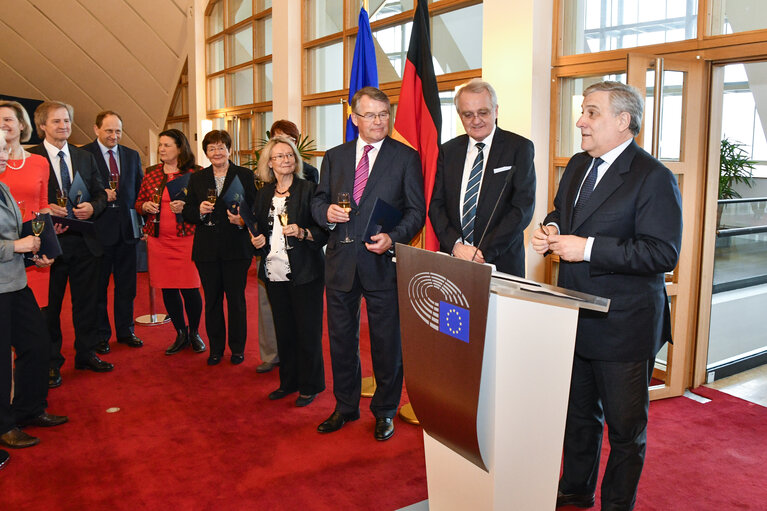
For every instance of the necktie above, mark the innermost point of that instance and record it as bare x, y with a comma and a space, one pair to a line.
470, 197
587, 187
361, 174
66, 181
114, 174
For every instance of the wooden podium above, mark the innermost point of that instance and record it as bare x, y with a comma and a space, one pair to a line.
487, 360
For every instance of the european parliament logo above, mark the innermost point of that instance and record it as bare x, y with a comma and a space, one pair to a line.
440, 304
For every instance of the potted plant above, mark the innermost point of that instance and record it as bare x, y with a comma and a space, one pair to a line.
734, 168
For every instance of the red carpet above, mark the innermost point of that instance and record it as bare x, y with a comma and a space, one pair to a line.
189, 436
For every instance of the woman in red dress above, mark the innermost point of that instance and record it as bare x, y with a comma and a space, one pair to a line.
169, 241
27, 177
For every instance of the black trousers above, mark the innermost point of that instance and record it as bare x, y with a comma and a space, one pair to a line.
80, 268
385, 348
228, 278
23, 328
297, 313
616, 392
118, 260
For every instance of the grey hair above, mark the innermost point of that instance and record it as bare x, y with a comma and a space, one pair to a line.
477, 86
623, 98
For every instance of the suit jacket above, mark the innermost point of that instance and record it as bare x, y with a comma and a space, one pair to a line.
311, 173
395, 178
115, 224
307, 261
12, 274
223, 241
83, 163
635, 217
504, 242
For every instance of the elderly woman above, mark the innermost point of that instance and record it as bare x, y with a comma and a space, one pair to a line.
23, 329
27, 178
169, 244
221, 250
292, 266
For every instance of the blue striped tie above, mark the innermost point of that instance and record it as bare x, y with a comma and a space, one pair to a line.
587, 187
470, 198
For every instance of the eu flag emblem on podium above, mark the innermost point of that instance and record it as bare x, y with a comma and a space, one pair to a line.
454, 321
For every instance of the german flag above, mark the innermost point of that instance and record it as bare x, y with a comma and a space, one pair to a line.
419, 119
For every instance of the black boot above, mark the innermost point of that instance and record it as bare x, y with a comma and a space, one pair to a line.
181, 342
198, 345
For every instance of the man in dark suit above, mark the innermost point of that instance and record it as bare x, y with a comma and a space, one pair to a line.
371, 167
121, 165
80, 260
617, 228
471, 171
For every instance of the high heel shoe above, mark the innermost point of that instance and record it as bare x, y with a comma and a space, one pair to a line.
181, 342
198, 345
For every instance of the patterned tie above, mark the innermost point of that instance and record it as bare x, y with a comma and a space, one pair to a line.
114, 174
470, 198
587, 187
66, 181
361, 174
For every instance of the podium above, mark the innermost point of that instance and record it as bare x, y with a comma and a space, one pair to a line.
487, 360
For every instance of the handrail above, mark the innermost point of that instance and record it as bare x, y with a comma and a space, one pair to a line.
737, 231
741, 200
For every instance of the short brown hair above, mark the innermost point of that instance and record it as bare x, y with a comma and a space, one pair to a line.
185, 156
287, 127
22, 116
102, 115
215, 137
372, 93
44, 109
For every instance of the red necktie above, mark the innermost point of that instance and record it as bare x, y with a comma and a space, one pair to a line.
361, 174
114, 174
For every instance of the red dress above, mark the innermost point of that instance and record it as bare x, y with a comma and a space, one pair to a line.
169, 254
29, 182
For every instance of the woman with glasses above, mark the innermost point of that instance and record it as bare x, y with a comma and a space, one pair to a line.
293, 268
222, 250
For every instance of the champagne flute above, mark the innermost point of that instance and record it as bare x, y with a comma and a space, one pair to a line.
345, 203
284, 221
156, 198
113, 186
38, 223
61, 198
212, 199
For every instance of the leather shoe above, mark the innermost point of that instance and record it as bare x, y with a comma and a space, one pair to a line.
384, 428
181, 342
17, 439
575, 500
302, 401
198, 345
103, 348
54, 378
279, 394
94, 363
336, 421
214, 360
265, 367
4, 457
132, 341
237, 358
44, 420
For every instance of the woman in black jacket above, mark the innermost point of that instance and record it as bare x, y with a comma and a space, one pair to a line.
221, 251
292, 266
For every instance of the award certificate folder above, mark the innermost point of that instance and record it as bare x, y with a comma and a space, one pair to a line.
75, 225
234, 194
177, 187
78, 192
383, 218
49, 242
248, 218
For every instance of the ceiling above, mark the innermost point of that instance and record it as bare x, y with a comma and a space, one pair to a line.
121, 55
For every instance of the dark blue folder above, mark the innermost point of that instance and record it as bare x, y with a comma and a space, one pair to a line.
177, 187
383, 218
248, 218
49, 242
78, 192
234, 194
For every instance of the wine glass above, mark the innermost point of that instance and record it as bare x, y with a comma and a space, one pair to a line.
22, 207
61, 198
284, 221
212, 199
156, 198
345, 203
38, 223
113, 186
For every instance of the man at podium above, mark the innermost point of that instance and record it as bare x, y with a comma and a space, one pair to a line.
617, 228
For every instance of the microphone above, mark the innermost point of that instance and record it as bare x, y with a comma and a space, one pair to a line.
498, 201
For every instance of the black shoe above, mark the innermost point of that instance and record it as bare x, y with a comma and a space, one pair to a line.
4, 457
198, 345
384, 428
237, 358
93, 363
575, 500
302, 401
44, 420
132, 341
336, 421
17, 439
54, 378
279, 394
181, 342
214, 360
103, 348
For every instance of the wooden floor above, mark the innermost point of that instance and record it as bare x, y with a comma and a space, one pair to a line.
750, 385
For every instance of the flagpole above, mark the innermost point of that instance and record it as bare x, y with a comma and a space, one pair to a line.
365, 5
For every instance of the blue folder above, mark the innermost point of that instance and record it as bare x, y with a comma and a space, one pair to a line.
383, 218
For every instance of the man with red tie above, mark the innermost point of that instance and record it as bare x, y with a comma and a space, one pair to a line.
371, 167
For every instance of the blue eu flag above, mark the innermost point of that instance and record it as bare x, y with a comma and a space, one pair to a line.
454, 321
364, 70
